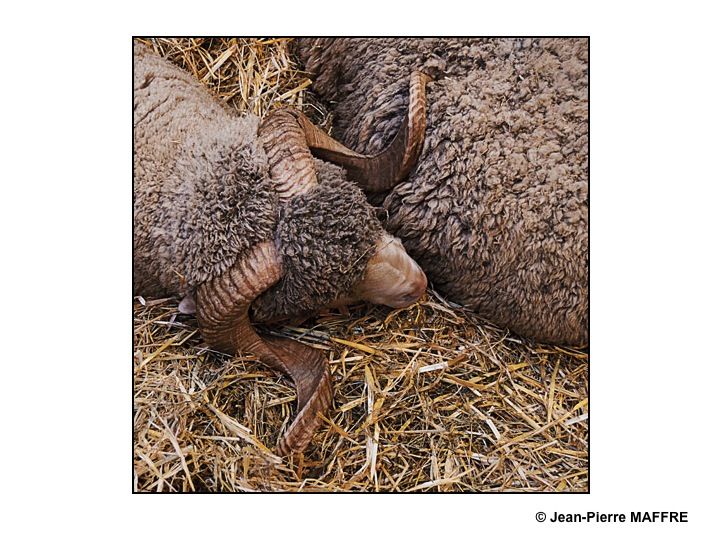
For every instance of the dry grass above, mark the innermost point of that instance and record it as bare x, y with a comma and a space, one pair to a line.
429, 398
253, 75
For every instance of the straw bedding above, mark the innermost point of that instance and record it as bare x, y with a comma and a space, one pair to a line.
428, 398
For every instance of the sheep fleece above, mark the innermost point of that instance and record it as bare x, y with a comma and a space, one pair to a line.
202, 198
200, 193
496, 212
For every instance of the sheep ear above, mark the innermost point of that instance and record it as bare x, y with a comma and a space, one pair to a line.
386, 169
187, 304
222, 313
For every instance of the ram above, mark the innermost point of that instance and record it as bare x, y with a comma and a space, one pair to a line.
496, 211
236, 214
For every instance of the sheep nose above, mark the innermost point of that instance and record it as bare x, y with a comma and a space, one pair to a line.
417, 288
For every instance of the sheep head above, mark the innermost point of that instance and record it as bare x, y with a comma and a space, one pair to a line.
392, 277
327, 228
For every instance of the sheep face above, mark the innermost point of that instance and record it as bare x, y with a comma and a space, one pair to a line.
392, 278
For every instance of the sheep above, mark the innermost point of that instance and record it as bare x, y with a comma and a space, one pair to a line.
496, 211
235, 213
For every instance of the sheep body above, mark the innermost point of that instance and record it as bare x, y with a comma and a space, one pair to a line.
496, 212
202, 199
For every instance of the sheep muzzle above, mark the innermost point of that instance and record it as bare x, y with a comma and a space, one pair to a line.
392, 277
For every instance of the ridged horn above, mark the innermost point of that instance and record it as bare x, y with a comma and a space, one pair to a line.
386, 169
292, 170
222, 313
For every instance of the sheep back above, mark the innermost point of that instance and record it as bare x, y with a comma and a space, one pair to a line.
496, 211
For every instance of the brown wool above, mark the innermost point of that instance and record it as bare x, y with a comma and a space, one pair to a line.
496, 212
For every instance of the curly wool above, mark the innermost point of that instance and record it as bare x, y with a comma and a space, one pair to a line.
326, 237
496, 211
201, 190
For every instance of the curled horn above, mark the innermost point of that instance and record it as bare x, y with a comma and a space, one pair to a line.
222, 314
384, 170
291, 165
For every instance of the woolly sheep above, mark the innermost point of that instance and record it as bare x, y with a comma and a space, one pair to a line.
496, 212
236, 214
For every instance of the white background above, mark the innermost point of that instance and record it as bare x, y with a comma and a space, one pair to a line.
65, 135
